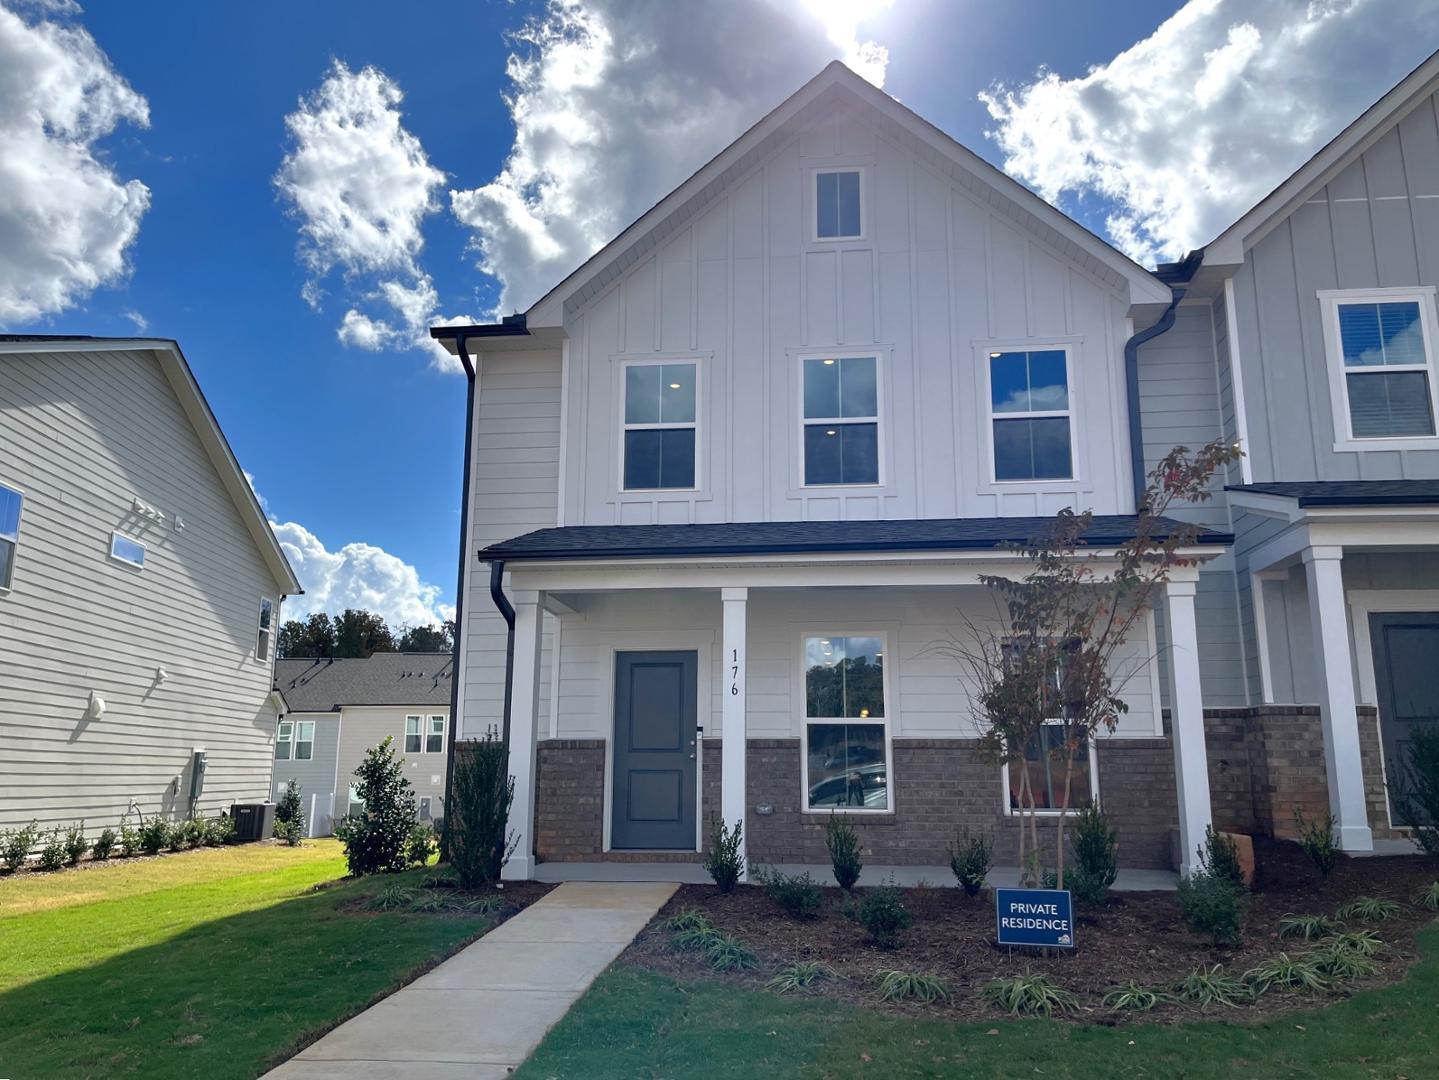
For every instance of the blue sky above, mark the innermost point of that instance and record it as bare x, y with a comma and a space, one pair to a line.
362, 446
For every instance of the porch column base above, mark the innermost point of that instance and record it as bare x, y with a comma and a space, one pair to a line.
519, 868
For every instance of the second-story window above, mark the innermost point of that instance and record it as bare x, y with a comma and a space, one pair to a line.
837, 204
1382, 365
841, 420
10, 502
660, 426
1029, 415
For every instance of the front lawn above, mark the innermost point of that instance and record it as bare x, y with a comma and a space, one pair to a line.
634, 1023
217, 962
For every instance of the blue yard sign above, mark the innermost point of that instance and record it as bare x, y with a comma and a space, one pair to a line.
1034, 917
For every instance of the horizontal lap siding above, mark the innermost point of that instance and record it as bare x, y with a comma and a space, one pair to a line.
316, 776
364, 727
84, 435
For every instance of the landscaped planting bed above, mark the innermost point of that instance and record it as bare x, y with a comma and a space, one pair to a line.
947, 953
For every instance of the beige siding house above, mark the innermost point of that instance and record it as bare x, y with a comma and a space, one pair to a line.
335, 710
139, 588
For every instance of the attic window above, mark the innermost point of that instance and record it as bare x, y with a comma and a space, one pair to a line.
837, 204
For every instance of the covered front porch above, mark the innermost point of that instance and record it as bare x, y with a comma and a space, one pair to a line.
682, 687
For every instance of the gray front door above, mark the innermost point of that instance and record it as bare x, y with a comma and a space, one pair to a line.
1406, 677
655, 737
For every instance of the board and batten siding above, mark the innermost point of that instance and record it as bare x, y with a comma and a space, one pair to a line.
1375, 224
83, 435
941, 278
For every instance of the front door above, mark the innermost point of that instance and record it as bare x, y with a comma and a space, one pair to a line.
653, 808
1406, 677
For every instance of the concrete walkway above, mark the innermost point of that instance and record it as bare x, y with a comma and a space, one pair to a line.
483, 1011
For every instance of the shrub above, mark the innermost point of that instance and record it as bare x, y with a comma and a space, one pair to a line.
723, 861
1416, 788
374, 839
75, 843
797, 895
1210, 986
1308, 927
1028, 995
104, 845
391, 897
800, 975
1219, 856
1212, 906
970, 858
1341, 964
194, 832
883, 915
177, 836
1317, 839
477, 840
129, 841
154, 835
290, 816
842, 842
1370, 909
16, 845
1096, 856
1429, 898
52, 852
420, 845
911, 986
219, 830
1287, 973
1131, 997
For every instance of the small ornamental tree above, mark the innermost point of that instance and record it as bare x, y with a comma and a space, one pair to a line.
1054, 658
290, 816
375, 838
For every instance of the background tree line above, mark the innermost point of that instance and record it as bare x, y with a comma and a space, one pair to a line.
356, 633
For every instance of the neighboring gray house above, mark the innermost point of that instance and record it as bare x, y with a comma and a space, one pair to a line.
335, 710
140, 589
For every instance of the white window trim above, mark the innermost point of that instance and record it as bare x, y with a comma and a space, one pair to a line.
887, 720
878, 356
1329, 303
19, 525
137, 566
301, 726
985, 353
1011, 811
430, 732
269, 633
694, 425
419, 720
814, 175
285, 733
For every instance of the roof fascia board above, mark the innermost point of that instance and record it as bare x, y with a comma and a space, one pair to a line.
1229, 248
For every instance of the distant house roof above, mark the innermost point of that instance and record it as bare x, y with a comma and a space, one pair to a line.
1350, 492
384, 678
792, 537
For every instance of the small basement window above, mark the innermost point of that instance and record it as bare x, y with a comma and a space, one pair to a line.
124, 549
10, 502
837, 204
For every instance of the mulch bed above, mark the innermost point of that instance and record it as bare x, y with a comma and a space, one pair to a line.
514, 897
1137, 935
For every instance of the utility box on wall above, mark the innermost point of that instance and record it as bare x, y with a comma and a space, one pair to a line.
197, 774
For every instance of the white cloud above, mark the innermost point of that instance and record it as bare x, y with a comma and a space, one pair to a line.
359, 575
615, 103
66, 217
1187, 129
361, 186
141, 323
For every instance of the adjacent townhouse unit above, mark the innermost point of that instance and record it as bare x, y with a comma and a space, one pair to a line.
333, 711
140, 590
730, 481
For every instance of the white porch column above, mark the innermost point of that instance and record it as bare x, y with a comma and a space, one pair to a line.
524, 713
1342, 763
1186, 711
732, 758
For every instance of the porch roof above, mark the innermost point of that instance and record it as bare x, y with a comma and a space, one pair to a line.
797, 537
1350, 492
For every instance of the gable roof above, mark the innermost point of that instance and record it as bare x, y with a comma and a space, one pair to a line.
1229, 247
838, 86
182, 381
383, 678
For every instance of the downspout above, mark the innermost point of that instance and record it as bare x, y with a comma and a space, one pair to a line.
497, 593
464, 355
1131, 379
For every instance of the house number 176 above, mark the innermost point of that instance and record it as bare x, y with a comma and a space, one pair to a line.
734, 673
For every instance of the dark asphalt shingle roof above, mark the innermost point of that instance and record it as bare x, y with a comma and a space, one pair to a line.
385, 678
790, 537
1351, 492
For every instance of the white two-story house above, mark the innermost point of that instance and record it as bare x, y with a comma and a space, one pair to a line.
731, 480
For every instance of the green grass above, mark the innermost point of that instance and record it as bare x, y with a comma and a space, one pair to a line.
636, 1024
211, 963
